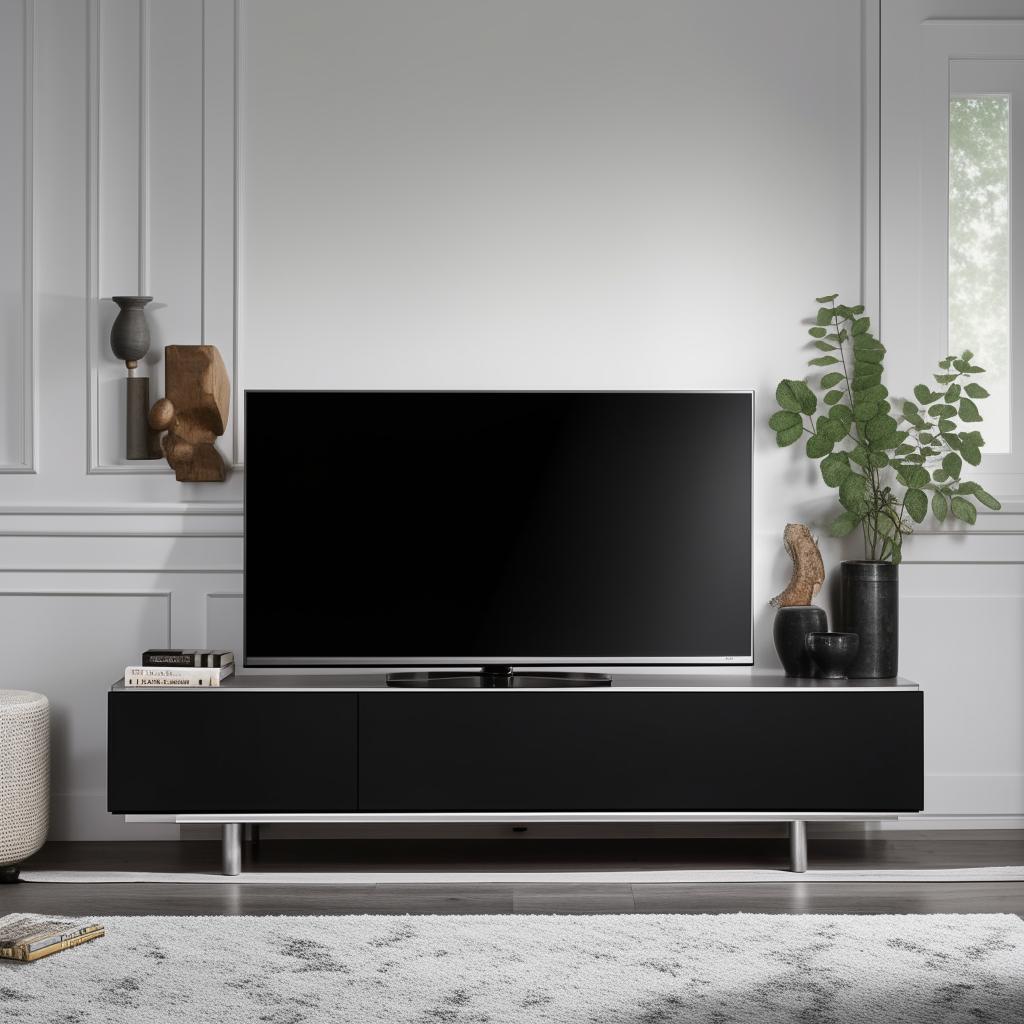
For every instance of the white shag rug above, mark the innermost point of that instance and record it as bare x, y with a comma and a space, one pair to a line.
392, 877
627, 969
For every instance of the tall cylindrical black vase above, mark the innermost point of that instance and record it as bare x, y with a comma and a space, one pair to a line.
792, 624
869, 605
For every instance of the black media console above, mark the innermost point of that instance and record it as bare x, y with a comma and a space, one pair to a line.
758, 747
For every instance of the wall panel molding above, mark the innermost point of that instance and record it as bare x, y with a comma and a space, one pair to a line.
237, 418
129, 247
212, 508
27, 381
76, 680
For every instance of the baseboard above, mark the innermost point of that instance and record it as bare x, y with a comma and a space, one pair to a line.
83, 817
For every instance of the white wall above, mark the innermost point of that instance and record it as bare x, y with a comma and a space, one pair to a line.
590, 193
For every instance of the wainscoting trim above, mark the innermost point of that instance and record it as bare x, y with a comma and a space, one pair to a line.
30, 349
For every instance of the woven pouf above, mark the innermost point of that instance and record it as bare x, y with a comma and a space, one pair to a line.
24, 776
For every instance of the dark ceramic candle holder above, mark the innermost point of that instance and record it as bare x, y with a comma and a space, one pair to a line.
833, 653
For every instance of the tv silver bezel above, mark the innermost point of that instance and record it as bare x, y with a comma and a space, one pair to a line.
461, 662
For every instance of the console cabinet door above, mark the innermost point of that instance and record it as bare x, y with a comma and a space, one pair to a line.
493, 750
218, 750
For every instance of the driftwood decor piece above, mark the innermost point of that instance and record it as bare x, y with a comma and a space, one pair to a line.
194, 412
808, 568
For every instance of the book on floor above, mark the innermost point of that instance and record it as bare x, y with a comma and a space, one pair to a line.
182, 658
165, 675
32, 936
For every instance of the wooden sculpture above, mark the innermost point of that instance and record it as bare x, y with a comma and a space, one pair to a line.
808, 568
194, 412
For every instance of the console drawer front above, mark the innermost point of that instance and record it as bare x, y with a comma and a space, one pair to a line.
498, 750
217, 750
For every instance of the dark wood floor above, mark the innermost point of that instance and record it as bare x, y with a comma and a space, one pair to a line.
934, 850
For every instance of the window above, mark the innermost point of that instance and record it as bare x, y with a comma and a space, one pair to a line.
979, 250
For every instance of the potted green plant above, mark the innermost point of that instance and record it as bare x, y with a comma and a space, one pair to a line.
891, 462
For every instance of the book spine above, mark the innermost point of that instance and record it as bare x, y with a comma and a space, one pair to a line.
184, 660
149, 676
63, 944
49, 940
187, 659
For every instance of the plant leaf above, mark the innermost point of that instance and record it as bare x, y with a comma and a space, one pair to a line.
969, 411
939, 506
916, 504
880, 426
852, 491
842, 414
864, 411
987, 499
819, 445
823, 361
845, 524
783, 419
952, 464
916, 476
817, 332
830, 380
824, 317
975, 391
826, 298
971, 453
788, 435
964, 510
796, 396
925, 395
824, 346
835, 468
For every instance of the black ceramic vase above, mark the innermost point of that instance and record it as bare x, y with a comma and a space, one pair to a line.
792, 624
869, 602
832, 653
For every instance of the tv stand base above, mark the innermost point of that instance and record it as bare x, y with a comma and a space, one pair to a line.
231, 831
798, 846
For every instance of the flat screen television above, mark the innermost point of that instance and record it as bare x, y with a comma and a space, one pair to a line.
497, 529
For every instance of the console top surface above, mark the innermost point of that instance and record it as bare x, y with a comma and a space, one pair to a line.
621, 682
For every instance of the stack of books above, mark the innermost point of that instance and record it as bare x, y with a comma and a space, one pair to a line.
180, 668
33, 936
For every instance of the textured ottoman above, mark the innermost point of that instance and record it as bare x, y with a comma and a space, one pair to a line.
24, 777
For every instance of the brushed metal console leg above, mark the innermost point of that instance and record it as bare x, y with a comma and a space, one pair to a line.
231, 850
798, 846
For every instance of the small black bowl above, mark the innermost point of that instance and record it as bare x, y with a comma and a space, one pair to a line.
833, 653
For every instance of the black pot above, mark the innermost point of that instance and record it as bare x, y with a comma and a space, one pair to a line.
792, 624
832, 653
869, 605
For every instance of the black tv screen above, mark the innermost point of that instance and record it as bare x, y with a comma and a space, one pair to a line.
507, 528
